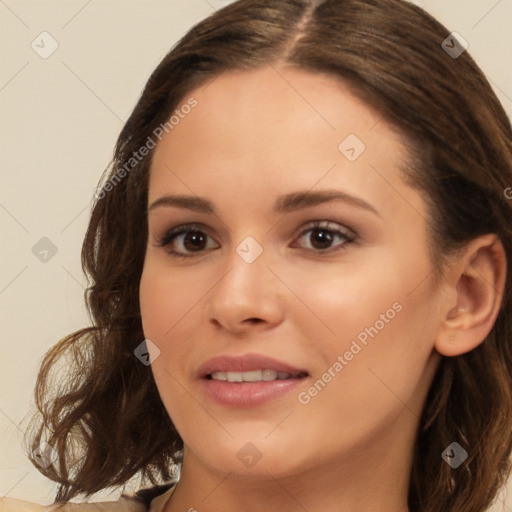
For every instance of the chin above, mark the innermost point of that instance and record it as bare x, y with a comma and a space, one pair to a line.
258, 459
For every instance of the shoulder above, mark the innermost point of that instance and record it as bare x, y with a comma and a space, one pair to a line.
152, 499
122, 505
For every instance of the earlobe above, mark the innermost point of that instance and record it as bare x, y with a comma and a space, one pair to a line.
478, 282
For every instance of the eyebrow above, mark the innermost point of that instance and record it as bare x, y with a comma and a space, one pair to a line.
284, 204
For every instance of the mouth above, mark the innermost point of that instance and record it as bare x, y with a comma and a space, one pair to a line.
266, 375
249, 380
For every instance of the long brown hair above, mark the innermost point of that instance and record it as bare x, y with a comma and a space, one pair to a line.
104, 416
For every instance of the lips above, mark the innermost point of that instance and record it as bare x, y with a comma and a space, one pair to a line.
250, 380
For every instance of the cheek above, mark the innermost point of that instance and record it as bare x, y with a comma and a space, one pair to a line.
166, 302
167, 295
158, 304
171, 302
340, 301
381, 321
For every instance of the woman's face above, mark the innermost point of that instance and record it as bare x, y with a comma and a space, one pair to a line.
311, 251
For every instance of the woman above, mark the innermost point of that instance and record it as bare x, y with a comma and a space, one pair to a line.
299, 285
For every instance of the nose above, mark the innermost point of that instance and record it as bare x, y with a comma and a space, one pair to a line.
247, 297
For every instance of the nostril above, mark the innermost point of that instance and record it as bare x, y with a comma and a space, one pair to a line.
254, 320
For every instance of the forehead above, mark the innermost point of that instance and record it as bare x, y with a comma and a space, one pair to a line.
245, 110
277, 129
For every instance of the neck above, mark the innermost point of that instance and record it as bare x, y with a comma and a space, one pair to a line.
371, 476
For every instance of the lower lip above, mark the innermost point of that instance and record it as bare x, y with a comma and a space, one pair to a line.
247, 394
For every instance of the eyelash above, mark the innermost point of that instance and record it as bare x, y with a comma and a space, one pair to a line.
185, 229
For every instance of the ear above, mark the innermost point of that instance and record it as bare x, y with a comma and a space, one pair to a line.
475, 283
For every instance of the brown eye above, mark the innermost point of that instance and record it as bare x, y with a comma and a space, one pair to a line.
326, 237
184, 241
194, 241
321, 238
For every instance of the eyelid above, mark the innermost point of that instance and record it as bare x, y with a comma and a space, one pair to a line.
334, 227
168, 233
328, 225
172, 233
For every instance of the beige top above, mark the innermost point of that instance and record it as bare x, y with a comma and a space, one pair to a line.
121, 505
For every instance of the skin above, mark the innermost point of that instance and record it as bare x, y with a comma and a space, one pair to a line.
251, 138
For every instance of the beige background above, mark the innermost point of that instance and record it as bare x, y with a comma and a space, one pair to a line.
59, 120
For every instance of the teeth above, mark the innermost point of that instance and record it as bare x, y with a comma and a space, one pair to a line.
252, 376
269, 375
219, 376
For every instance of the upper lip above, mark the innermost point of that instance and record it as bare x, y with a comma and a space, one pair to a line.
246, 363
